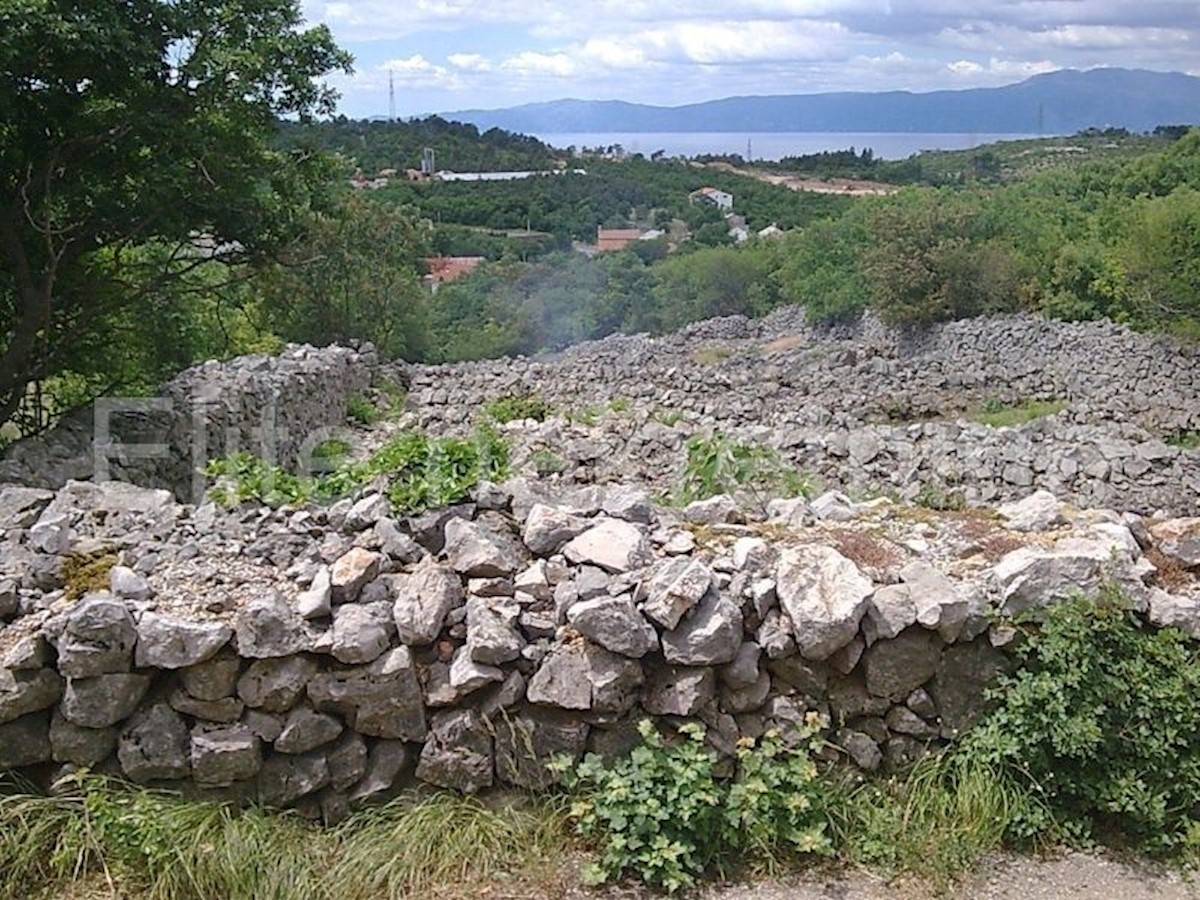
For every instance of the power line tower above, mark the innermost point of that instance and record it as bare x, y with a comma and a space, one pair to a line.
391, 97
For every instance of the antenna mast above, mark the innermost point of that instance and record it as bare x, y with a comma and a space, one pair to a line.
391, 97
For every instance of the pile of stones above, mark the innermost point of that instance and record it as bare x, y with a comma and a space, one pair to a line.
322, 657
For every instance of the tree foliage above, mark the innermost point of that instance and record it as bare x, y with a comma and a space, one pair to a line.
134, 123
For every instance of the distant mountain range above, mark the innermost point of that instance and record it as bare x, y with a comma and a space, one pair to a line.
1060, 102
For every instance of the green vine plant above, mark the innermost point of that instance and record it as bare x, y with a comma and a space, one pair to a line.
718, 464
420, 472
663, 814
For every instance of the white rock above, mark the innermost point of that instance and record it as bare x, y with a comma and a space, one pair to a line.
825, 596
613, 544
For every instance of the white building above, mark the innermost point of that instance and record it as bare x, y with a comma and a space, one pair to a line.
722, 200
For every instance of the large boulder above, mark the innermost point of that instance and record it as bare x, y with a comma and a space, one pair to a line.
824, 594
1035, 577
895, 668
275, 685
547, 529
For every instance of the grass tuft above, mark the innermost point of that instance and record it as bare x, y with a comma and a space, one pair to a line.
109, 839
935, 823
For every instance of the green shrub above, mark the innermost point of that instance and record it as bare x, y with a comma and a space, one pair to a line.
1184, 440
663, 814
361, 410
514, 408
1102, 715
932, 496
243, 476
84, 573
717, 464
619, 405
998, 414
668, 417
547, 462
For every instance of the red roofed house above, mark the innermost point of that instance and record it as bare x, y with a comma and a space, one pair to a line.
442, 269
615, 238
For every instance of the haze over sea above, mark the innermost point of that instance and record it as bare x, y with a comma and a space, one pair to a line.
773, 145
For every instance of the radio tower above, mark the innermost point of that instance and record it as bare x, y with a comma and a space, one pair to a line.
391, 97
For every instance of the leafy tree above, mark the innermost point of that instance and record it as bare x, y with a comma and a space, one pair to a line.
135, 122
356, 276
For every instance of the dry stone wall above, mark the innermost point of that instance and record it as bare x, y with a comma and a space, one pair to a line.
276, 407
319, 658
865, 408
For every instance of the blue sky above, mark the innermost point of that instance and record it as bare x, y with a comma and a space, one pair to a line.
455, 54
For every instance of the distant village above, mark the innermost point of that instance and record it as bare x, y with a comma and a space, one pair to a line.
441, 270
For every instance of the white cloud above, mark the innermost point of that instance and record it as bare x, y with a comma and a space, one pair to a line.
559, 65
471, 62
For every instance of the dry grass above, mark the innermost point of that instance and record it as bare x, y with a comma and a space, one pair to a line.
707, 356
867, 551
782, 345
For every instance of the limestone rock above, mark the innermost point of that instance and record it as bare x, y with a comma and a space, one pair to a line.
382, 699
825, 596
527, 742
274, 685
24, 692
128, 584
97, 638
719, 510
678, 690
167, 642
458, 752
269, 627
466, 675
1040, 511
80, 746
896, 667
155, 745
305, 729
423, 599
615, 624
317, 601
1039, 576
361, 632
284, 779
492, 632
385, 761
709, 635
676, 587
213, 679
1179, 539
353, 570
347, 761
547, 529
476, 552
612, 544
224, 756
1168, 610
964, 673
104, 700
25, 741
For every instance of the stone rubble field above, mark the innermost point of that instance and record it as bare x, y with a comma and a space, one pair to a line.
323, 656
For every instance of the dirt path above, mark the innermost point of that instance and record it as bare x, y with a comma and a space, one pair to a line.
1073, 876
1069, 876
